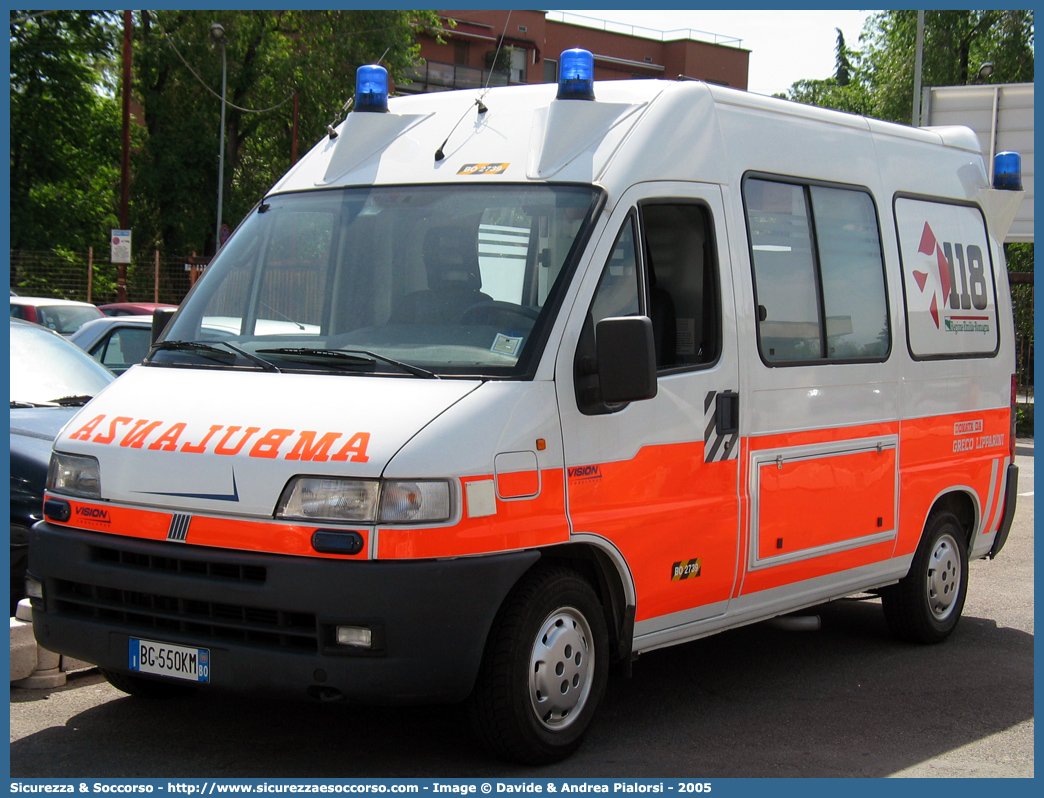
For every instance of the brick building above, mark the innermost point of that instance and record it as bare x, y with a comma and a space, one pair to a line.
480, 48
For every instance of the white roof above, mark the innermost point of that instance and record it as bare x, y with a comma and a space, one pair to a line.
634, 131
44, 301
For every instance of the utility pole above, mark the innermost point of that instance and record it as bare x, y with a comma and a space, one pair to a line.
293, 138
918, 54
217, 33
121, 268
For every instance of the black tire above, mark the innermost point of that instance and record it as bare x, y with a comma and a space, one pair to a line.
544, 669
142, 687
925, 606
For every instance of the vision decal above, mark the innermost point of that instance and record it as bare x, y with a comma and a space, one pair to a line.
585, 473
93, 515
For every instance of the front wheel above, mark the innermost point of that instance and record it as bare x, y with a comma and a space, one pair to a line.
924, 606
544, 670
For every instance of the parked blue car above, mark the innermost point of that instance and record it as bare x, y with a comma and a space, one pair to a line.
51, 379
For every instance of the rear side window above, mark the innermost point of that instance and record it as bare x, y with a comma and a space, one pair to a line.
948, 281
818, 273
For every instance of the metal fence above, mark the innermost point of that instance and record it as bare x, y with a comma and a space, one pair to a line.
1022, 305
86, 277
159, 278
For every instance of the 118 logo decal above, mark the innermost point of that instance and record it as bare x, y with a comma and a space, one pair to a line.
955, 264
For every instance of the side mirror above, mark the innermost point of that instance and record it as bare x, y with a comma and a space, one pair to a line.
160, 319
626, 359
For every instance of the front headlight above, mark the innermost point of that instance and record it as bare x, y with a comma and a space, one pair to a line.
307, 498
74, 475
365, 501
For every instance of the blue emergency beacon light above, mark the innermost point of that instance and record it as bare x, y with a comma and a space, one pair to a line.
1007, 171
371, 88
576, 75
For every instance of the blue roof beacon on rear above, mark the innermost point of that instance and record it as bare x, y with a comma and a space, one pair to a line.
371, 88
1007, 171
576, 75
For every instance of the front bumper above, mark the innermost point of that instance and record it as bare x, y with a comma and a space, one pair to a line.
269, 620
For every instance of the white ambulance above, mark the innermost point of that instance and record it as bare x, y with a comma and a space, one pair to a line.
497, 388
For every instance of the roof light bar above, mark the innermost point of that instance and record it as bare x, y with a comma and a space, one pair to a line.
371, 88
576, 75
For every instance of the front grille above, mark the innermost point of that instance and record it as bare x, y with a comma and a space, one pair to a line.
179, 565
205, 622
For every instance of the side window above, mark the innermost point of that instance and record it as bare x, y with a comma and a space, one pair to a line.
818, 273
663, 265
124, 348
853, 274
617, 295
784, 272
682, 280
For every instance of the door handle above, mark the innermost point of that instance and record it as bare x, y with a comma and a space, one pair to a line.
726, 412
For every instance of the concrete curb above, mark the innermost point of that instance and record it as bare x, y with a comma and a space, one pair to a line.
34, 667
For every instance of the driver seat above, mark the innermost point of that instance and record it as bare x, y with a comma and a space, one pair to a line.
454, 279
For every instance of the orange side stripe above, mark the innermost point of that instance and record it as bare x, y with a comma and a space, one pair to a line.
263, 536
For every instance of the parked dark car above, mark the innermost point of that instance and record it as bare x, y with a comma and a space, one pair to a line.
117, 342
50, 380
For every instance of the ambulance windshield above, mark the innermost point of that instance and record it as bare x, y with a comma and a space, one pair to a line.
418, 281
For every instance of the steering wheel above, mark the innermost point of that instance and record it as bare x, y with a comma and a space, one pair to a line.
488, 312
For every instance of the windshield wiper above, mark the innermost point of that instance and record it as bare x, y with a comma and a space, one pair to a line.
64, 401
359, 357
204, 349
73, 401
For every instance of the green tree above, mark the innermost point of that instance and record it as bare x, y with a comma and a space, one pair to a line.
271, 56
1019, 257
956, 44
844, 69
65, 129
846, 90
853, 97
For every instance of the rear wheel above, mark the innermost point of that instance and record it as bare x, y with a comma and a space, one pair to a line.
146, 688
544, 670
925, 606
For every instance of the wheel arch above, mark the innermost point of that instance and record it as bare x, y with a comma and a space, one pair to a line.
604, 566
926, 604
964, 504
